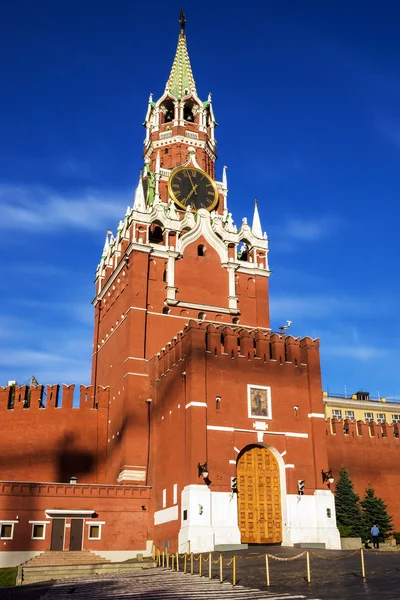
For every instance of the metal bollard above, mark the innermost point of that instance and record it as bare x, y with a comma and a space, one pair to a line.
210, 566
185, 563
234, 570
220, 568
167, 559
308, 567
177, 561
362, 562
201, 564
172, 562
267, 569
191, 564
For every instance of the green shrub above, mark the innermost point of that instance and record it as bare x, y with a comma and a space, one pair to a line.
346, 531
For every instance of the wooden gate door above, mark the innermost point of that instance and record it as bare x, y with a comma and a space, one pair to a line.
259, 497
57, 534
75, 542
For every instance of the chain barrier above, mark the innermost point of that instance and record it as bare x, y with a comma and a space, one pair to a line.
334, 557
287, 559
163, 560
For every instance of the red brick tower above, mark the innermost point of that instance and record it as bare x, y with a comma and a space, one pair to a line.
177, 255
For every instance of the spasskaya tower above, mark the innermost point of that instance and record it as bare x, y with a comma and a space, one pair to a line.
176, 255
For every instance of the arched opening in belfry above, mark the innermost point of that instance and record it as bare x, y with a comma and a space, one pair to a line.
156, 235
201, 250
188, 112
243, 252
168, 111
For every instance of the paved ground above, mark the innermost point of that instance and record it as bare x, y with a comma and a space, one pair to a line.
160, 585
331, 579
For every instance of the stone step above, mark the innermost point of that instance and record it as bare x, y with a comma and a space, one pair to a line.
49, 558
36, 574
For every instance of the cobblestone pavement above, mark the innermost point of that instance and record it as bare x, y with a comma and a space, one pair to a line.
159, 584
334, 575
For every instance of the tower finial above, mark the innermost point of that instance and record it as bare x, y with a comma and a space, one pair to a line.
256, 226
182, 21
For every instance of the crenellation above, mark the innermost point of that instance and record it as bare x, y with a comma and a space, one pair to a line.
36, 400
350, 431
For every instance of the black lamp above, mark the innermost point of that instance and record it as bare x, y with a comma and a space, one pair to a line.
327, 477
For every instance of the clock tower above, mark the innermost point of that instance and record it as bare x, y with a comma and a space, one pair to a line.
177, 255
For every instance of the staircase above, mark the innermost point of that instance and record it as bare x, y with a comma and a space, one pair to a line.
51, 557
68, 564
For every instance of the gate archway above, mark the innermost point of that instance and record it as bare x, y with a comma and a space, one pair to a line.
259, 496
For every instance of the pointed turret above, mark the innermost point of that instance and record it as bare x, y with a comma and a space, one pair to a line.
139, 202
256, 226
181, 81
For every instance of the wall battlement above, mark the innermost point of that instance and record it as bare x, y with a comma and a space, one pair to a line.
235, 342
21, 398
348, 430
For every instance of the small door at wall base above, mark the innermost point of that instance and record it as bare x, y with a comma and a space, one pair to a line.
75, 542
57, 534
259, 497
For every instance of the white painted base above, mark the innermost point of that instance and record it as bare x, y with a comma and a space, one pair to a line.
122, 555
13, 559
307, 520
211, 519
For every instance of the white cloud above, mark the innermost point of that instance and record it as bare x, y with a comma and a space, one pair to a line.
317, 306
310, 229
356, 352
39, 208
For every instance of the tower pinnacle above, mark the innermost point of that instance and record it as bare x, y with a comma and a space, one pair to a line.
181, 81
256, 226
182, 21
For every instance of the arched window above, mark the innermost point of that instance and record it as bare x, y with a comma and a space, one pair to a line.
168, 110
201, 250
251, 287
166, 310
156, 234
188, 113
235, 320
202, 316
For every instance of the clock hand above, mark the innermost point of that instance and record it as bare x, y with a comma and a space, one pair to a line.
190, 193
191, 181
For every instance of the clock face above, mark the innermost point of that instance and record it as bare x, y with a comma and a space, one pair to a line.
191, 186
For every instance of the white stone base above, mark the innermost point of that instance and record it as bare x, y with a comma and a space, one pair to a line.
13, 559
307, 520
122, 555
211, 519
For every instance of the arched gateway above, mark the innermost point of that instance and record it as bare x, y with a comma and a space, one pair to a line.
259, 496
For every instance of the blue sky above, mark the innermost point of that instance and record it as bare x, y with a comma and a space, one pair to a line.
307, 95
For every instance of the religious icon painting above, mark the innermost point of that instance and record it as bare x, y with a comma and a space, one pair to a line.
259, 402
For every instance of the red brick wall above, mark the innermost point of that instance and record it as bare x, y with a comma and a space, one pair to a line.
127, 525
53, 444
369, 459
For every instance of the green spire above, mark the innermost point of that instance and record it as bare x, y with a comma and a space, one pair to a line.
181, 76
